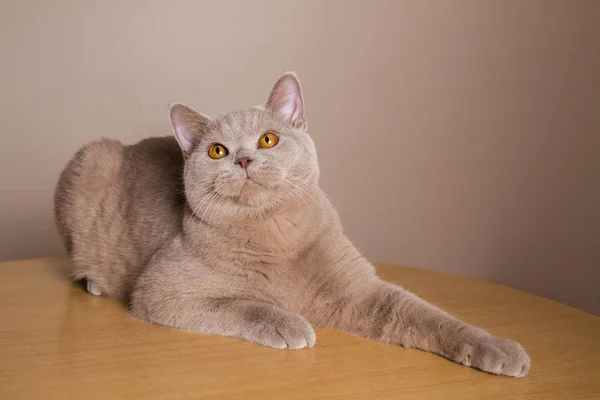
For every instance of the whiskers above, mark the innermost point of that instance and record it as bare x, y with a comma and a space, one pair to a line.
307, 183
297, 187
196, 210
221, 198
200, 198
208, 203
211, 200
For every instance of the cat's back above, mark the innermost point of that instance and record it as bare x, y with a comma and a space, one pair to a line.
116, 205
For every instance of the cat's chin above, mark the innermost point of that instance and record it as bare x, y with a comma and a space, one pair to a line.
250, 193
253, 194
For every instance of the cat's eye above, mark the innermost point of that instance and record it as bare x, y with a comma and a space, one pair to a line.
268, 140
216, 151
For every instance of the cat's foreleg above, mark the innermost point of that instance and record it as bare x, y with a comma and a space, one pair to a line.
381, 311
255, 321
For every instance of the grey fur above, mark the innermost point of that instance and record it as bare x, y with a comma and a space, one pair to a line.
192, 243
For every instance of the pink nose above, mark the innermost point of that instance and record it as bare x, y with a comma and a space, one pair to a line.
243, 162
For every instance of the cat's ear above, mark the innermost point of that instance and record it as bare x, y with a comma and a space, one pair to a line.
188, 125
286, 99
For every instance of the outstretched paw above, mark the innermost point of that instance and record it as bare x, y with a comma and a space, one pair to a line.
497, 356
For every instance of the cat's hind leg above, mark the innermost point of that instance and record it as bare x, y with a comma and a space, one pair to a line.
93, 288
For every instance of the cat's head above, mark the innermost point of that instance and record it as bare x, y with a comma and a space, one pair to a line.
250, 160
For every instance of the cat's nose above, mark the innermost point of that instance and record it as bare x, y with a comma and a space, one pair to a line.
243, 162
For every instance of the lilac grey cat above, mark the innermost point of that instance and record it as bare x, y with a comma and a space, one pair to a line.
223, 229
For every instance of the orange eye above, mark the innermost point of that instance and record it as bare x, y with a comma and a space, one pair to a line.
268, 140
217, 151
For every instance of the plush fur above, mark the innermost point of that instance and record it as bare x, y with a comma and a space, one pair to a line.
251, 249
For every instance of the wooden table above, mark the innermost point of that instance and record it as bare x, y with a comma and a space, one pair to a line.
58, 342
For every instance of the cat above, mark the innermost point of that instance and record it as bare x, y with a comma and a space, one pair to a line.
223, 229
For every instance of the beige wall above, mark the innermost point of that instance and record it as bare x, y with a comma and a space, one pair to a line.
460, 136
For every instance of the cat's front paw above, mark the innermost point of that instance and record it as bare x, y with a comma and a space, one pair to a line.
288, 331
497, 356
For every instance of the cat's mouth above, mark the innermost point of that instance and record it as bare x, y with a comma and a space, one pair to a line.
243, 189
252, 189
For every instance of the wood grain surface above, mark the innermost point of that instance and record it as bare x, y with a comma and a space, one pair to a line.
58, 342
